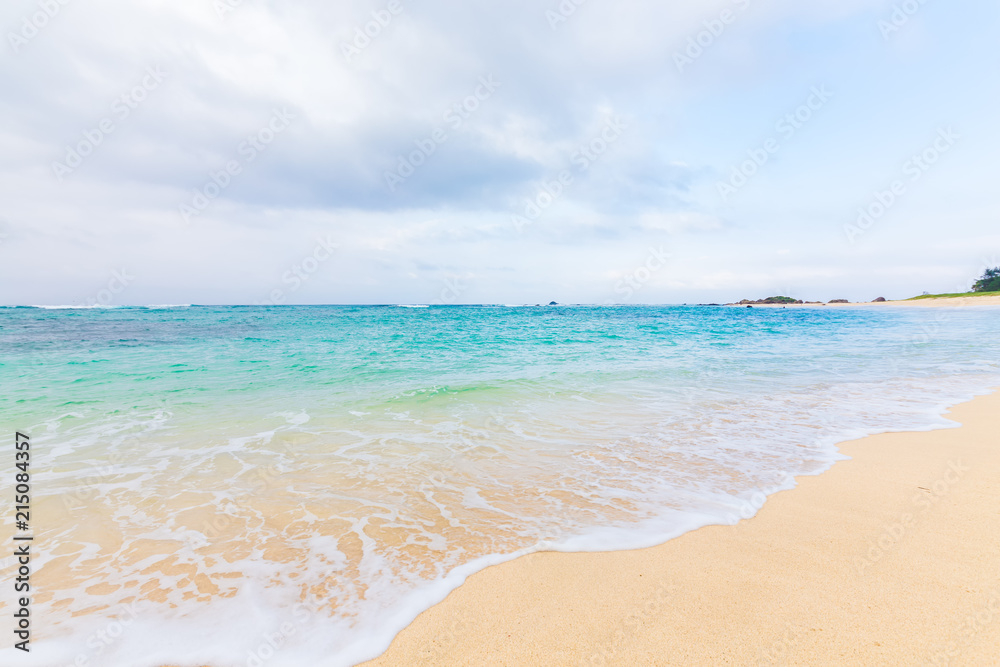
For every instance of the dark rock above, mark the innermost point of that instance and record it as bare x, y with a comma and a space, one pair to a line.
771, 300
840, 301
881, 299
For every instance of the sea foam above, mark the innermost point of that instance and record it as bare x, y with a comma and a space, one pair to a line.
261, 486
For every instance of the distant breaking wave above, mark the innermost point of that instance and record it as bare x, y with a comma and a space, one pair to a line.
99, 306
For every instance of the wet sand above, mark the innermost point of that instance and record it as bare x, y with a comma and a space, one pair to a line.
890, 558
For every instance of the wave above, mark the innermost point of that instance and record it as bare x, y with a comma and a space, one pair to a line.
400, 464
100, 306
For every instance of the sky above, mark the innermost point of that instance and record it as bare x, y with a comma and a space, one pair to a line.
583, 151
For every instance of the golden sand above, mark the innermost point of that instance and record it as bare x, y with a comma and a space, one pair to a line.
891, 558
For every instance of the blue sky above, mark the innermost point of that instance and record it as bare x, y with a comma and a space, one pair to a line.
254, 152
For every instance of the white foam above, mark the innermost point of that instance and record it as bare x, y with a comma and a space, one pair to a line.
102, 306
468, 481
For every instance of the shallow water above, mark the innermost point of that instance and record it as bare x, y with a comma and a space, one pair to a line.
292, 485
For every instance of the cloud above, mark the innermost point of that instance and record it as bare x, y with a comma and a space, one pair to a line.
355, 118
368, 93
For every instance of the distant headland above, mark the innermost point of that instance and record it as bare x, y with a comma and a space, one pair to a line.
985, 291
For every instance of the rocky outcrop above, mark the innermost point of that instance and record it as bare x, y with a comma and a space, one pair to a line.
780, 300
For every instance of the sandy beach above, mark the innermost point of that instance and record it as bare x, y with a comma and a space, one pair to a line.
943, 302
889, 558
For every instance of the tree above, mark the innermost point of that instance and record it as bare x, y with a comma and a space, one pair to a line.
990, 282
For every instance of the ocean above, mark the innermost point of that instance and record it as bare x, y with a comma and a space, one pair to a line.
292, 485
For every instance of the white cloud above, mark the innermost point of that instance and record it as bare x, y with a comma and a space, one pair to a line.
225, 76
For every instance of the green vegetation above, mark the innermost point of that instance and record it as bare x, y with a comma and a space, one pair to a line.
988, 285
952, 296
990, 282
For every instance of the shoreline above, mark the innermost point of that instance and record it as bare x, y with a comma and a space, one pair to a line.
940, 302
882, 559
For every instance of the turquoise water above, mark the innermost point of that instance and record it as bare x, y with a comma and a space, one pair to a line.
292, 485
